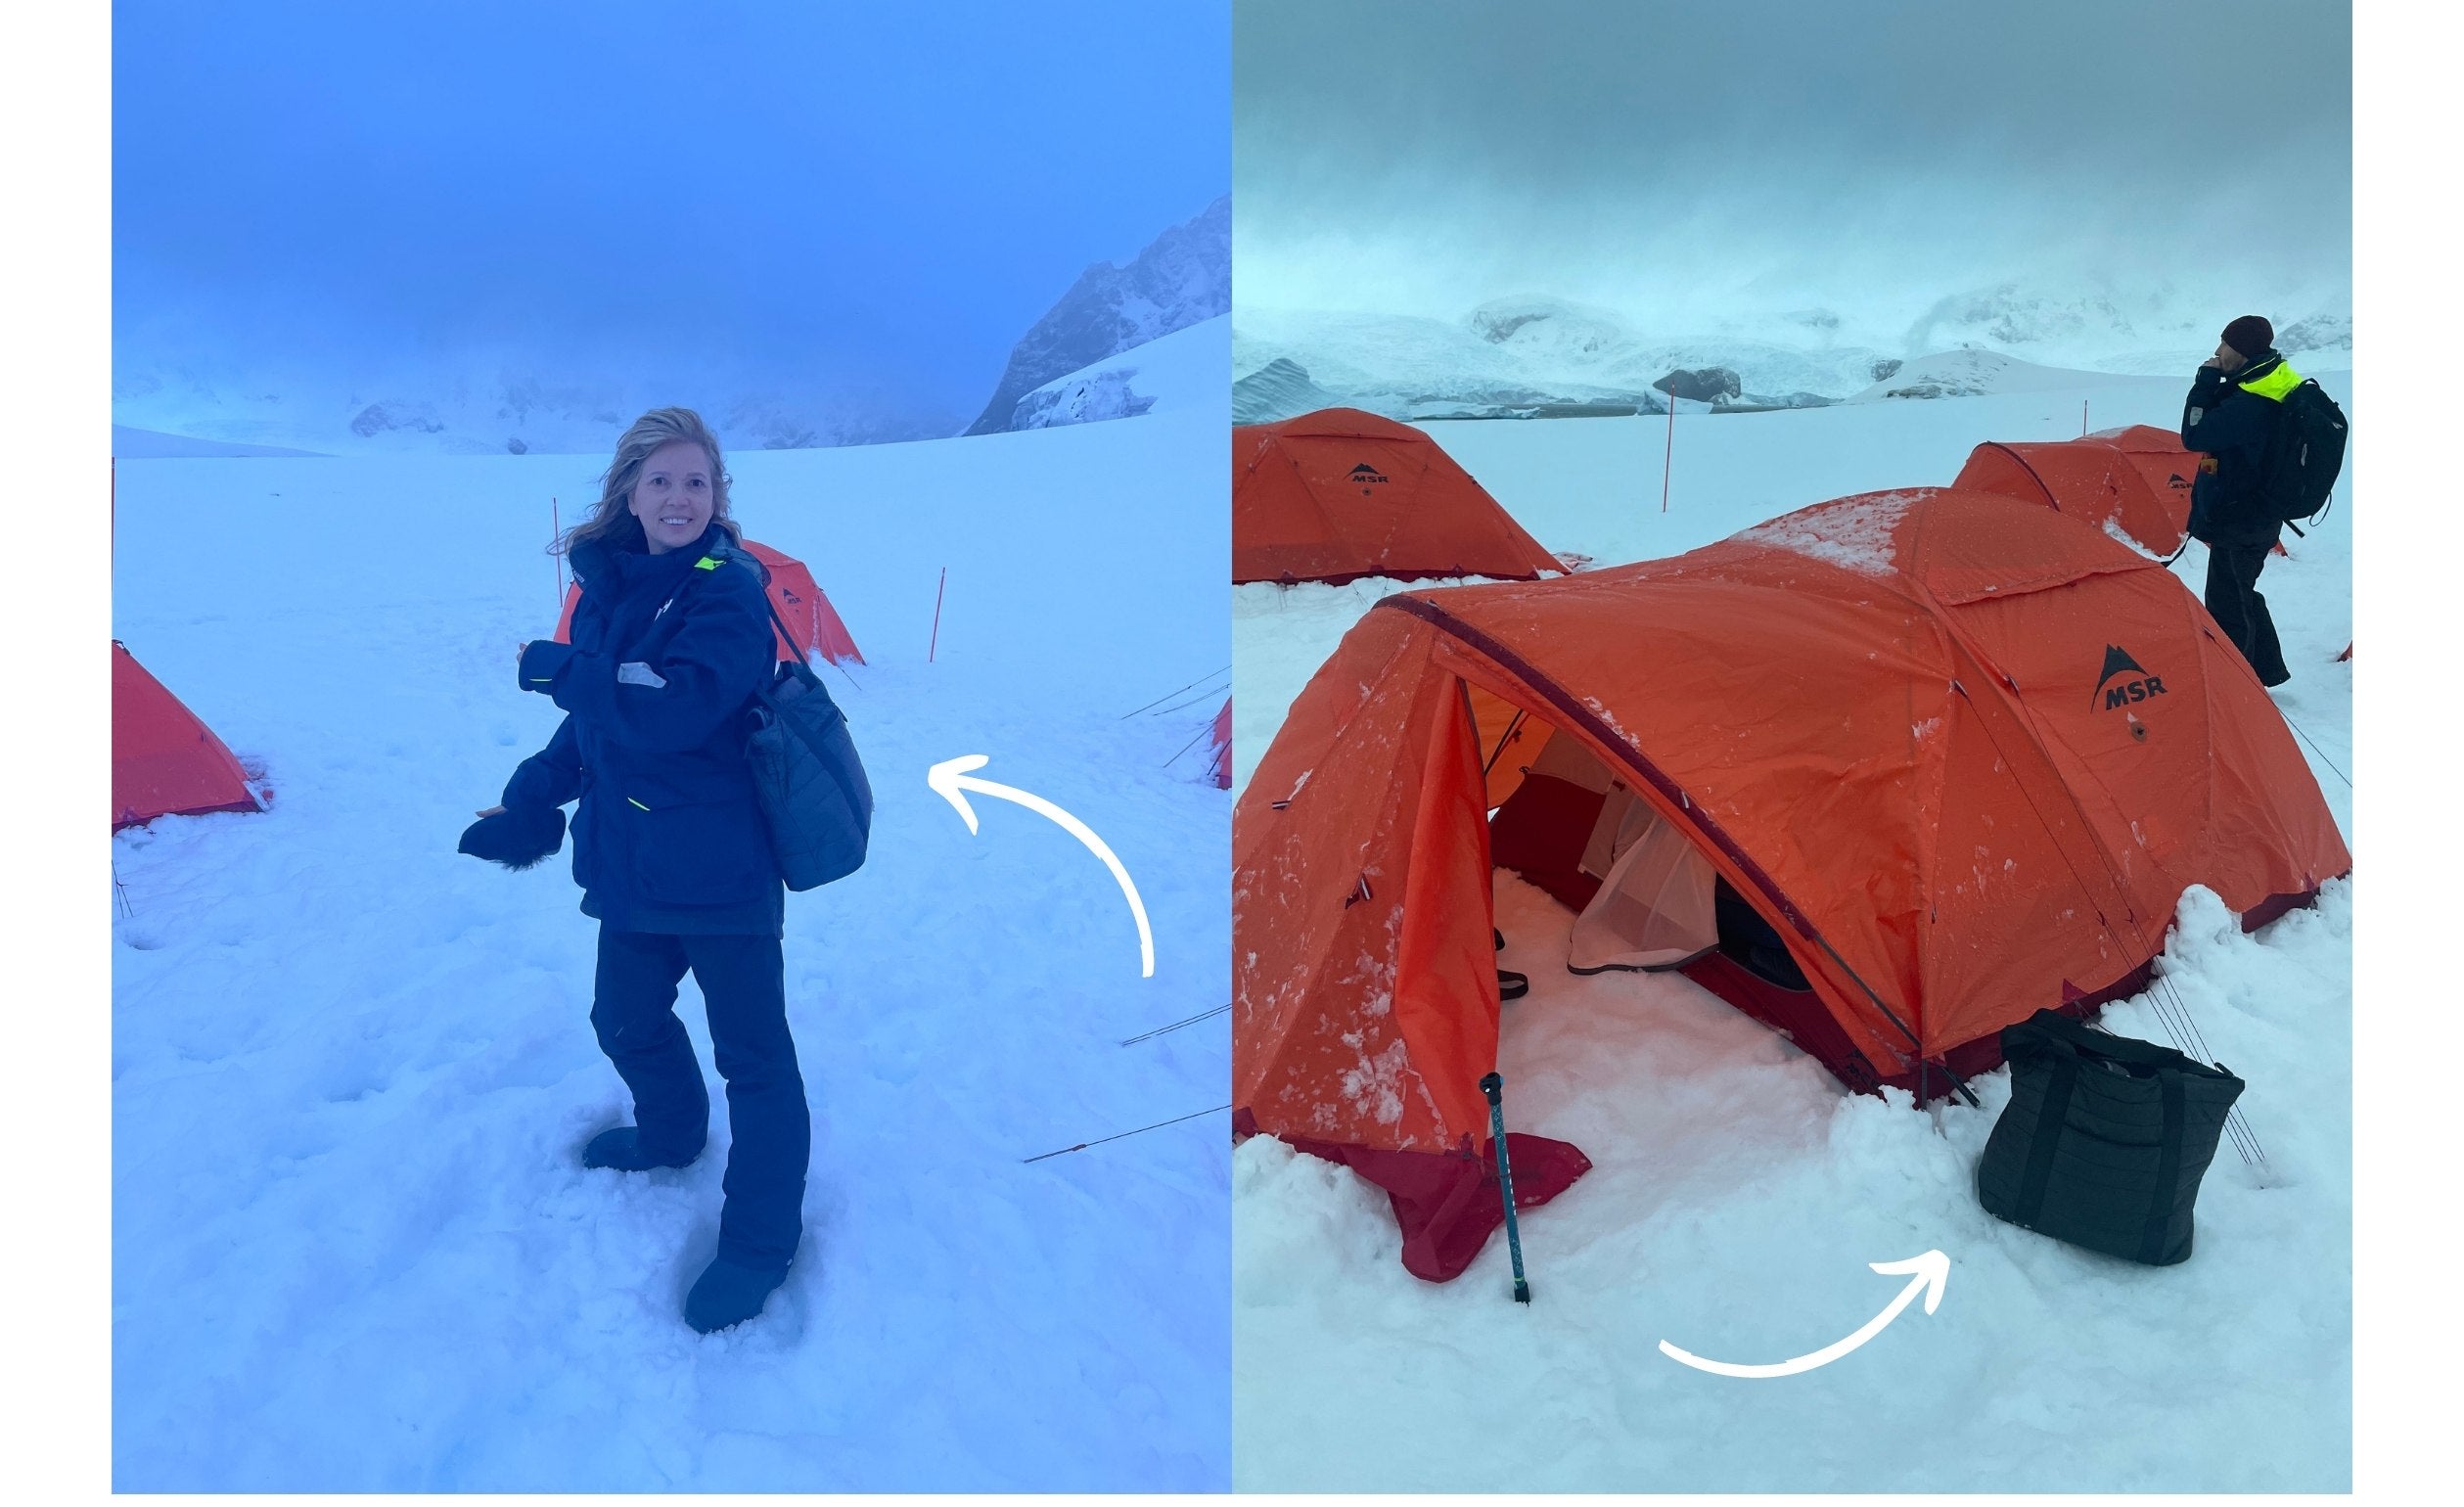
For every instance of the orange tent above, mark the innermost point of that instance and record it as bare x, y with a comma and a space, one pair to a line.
1337, 495
164, 761
2137, 479
797, 598
1888, 773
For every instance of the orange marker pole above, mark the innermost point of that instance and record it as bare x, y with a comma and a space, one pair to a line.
1672, 454
936, 615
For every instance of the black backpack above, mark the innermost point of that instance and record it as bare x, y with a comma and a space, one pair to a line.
2305, 454
2105, 1139
806, 777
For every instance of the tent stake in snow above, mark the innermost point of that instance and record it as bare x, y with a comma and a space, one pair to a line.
936, 646
1494, 1087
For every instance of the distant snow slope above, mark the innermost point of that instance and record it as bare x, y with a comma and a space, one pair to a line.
1978, 373
1278, 390
1183, 277
1528, 354
354, 1247
450, 410
1738, 1192
147, 445
1189, 368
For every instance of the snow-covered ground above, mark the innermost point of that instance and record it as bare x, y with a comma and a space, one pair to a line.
1188, 368
1738, 1193
352, 1245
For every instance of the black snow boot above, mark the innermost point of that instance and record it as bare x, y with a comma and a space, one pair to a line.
621, 1148
727, 1295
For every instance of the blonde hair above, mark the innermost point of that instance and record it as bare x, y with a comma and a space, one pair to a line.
612, 518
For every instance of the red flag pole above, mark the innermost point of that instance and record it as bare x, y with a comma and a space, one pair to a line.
936, 615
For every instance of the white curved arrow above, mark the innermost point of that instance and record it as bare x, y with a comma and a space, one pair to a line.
1933, 1271
950, 777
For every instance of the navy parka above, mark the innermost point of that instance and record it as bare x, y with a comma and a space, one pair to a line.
666, 651
2224, 419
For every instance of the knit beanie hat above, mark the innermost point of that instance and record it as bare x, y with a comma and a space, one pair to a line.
2248, 336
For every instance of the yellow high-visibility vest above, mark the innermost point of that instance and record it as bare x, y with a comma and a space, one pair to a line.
2276, 385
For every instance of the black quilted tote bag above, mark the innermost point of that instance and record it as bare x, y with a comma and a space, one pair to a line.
2105, 1139
806, 777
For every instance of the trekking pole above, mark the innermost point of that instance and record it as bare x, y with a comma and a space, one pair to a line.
556, 530
1494, 1086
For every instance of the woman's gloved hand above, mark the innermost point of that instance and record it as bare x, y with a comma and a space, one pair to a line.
519, 838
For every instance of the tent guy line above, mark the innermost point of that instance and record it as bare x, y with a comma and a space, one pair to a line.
2316, 749
1204, 1015
1123, 1136
1168, 694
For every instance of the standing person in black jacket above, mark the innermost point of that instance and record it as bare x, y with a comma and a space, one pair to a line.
671, 638
2232, 404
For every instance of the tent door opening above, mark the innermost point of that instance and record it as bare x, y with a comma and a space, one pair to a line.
1643, 895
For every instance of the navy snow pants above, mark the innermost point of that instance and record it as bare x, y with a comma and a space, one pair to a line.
769, 1128
2233, 600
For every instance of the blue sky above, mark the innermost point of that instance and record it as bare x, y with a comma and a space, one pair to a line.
877, 196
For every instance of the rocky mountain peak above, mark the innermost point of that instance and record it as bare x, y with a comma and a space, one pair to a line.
1183, 276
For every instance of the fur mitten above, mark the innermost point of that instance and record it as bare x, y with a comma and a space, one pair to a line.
518, 838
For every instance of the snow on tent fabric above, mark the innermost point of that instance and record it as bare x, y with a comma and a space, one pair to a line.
1940, 758
165, 760
2136, 479
1340, 493
800, 601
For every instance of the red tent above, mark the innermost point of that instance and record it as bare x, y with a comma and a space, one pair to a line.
2137, 479
164, 761
797, 596
1340, 493
1889, 774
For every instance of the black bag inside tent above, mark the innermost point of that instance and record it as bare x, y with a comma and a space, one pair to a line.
2105, 1140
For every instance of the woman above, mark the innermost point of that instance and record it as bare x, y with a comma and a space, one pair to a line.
671, 638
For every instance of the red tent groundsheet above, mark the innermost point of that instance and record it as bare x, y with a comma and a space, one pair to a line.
1340, 493
2137, 479
164, 761
1889, 774
797, 598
